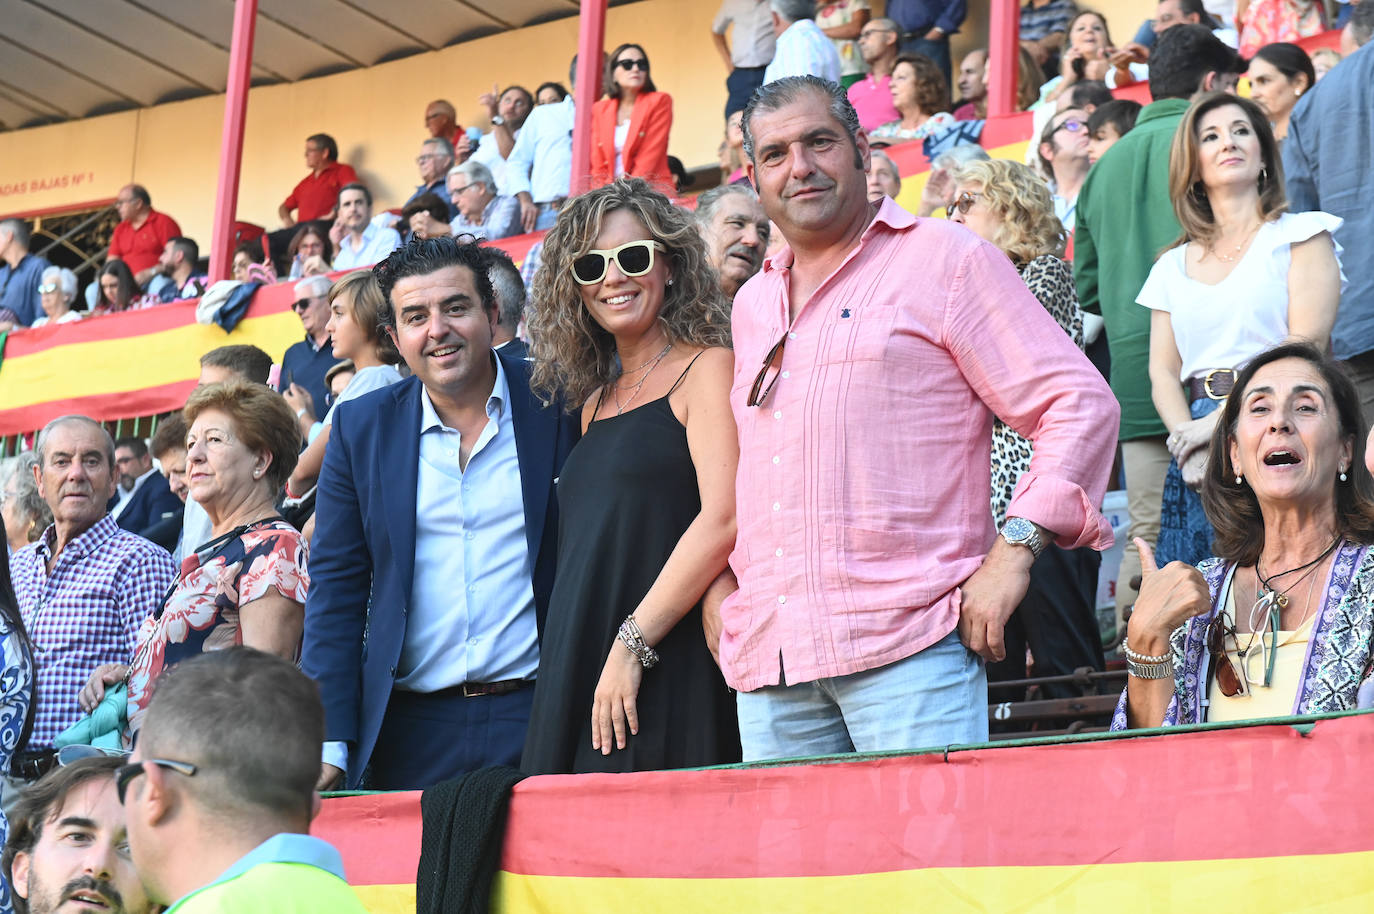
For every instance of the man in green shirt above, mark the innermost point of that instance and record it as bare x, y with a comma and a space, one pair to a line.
1125, 219
221, 790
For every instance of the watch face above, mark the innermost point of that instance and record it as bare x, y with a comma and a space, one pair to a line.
1017, 529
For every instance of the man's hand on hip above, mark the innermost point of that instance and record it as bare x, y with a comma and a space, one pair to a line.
991, 594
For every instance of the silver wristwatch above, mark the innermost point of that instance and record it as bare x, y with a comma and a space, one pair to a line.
1018, 531
497, 120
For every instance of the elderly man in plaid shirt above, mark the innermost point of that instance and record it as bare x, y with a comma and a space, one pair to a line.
85, 586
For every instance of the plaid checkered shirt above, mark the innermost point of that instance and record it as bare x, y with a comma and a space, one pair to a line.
87, 612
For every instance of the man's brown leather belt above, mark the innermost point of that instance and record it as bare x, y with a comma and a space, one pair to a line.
1211, 385
475, 689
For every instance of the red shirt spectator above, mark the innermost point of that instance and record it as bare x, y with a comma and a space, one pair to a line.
318, 192
142, 233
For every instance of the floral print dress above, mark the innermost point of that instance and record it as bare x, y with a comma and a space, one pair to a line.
202, 612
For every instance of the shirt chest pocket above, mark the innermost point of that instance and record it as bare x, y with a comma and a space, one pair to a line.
857, 333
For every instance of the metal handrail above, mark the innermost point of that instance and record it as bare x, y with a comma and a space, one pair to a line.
96, 216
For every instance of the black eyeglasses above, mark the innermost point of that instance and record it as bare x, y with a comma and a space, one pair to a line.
300, 304
634, 258
633, 63
963, 204
126, 773
1072, 125
758, 393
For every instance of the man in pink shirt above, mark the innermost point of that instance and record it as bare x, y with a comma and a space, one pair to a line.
871, 96
871, 354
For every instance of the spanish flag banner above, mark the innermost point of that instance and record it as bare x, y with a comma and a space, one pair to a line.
1273, 818
139, 363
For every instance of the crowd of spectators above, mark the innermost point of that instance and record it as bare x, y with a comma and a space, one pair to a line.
481, 503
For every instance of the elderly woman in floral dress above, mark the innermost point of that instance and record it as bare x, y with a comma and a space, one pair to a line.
247, 585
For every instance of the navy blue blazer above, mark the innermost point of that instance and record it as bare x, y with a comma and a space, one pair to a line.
362, 561
151, 503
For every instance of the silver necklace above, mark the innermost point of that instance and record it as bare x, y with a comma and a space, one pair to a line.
652, 364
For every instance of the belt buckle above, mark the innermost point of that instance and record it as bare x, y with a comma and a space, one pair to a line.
1207, 383
469, 692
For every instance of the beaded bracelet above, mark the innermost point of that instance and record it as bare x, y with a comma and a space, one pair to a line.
1144, 658
631, 637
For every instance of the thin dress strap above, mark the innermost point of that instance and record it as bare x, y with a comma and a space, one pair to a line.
683, 375
597, 408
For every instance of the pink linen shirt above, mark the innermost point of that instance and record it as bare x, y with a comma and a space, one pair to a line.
872, 101
863, 484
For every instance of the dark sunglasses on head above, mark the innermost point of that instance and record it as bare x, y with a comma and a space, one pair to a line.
124, 774
634, 258
963, 204
633, 63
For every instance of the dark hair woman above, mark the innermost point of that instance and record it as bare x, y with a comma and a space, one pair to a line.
1279, 74
1279, 622
630, 125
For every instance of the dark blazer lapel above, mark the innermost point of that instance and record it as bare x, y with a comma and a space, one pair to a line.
398, 442
534, 445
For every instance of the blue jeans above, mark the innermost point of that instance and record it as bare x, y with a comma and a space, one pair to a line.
936, 697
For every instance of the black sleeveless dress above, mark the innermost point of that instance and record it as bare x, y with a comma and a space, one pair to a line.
627, 493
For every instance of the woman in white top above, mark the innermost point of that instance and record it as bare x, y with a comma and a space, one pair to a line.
1244, 277
57, 293
354, 303
1090, 55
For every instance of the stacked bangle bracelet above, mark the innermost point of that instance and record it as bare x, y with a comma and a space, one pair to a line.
1144, 666
632, 639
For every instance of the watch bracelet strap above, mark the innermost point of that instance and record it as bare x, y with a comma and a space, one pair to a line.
1163, 670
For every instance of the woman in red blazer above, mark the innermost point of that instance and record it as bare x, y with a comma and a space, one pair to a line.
630, 126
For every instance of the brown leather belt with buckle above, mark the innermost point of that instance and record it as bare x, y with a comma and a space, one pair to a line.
1212, 385
504, 687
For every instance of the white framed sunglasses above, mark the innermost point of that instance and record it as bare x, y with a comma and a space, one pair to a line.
633, 258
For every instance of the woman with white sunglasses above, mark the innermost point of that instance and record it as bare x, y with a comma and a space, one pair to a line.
631, 326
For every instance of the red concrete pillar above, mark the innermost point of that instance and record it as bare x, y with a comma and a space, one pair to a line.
1004, 25
591, 40
231, 140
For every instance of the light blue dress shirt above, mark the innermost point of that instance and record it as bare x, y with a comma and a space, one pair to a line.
489, 154
378, 242
471, 613
804, 50
500, 219
541, 162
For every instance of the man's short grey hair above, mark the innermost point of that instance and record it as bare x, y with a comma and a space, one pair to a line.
783, 92
313, 287
792, 10
444, 146
959, 156
877, 155
107, 442
708, 201
509, 288
17, 229
64, 278
476, 173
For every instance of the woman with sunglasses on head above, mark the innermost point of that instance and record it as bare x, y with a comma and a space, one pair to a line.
1280, 621
632, 327
630, 125
1009, 206
1244, 276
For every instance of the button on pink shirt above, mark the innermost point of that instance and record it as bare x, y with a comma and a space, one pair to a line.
862, 493
872, 101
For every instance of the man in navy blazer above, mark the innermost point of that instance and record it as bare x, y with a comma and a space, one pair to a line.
151, 502
436, 536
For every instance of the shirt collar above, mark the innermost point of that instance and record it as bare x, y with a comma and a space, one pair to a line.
1162, 108
287, 847
500, 396
889, 214
83, 545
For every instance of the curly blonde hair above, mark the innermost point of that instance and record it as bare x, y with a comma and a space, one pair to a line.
573, 354
1015, 192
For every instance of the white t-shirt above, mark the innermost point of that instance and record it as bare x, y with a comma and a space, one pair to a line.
1222, 325
622, 133
373, 377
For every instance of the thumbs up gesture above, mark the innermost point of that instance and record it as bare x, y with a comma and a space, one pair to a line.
1169, 597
